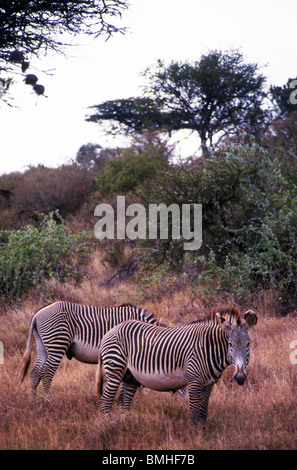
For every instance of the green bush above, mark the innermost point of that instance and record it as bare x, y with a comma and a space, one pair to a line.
133, 166
31, 256
256, 242
249, 221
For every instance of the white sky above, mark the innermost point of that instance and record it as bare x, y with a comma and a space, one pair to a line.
51, 130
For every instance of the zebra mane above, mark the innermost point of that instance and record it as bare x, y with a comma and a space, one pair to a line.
128, 304
229, 313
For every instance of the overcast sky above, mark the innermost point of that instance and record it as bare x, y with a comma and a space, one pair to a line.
51, 130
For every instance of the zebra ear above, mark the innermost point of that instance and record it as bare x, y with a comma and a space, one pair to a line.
250, 318
224, 324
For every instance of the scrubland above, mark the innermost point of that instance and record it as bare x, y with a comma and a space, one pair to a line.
260, 415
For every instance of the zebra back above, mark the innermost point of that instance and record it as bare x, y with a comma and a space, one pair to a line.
135, 313
106, 317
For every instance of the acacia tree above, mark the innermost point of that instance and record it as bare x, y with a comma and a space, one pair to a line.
212, 97
32, 27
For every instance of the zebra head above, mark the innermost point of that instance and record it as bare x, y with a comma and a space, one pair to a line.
238, 352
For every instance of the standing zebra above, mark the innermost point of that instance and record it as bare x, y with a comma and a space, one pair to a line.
75, 330
165, 359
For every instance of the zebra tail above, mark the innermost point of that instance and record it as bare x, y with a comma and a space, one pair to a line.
27, 354
99, 378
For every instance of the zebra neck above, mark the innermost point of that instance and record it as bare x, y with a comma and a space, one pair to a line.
224, 349
216, 347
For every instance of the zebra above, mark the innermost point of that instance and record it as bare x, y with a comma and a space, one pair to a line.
72, 329
168, 359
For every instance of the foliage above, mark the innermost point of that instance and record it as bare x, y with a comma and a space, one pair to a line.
29, 28
144, 159
131, 115
31, 256
93, 157
43, 189
249, 220
212, 97
280, 96
281, 134
32, 26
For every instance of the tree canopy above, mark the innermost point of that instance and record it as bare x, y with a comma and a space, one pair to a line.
213, 97
31, 27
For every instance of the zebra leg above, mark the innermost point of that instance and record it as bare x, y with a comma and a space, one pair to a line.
205, 394
114, 372
55, 352
109, 393
195, 396
128, 390
38, 366
36, 373
51, 365
126, 395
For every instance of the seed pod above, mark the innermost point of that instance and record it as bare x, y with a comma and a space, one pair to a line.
31, 79
39, 89
16, 56
25, 66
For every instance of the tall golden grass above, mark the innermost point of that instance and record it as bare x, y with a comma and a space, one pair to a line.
260, 415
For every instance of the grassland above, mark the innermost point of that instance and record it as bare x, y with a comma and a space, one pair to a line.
260, 415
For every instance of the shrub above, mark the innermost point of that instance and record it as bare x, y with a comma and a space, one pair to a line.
42, 189
249, 221
134, 165
31, 256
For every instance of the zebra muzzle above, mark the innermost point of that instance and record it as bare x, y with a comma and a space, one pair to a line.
239, 376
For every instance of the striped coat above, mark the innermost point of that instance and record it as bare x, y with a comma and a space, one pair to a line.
164, 359
72, 329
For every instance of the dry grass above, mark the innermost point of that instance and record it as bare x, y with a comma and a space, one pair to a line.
260, 415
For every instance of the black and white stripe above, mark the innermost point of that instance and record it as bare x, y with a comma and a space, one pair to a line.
165, 359
75, 330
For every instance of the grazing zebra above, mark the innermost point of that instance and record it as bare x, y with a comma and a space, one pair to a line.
75, 330
164, 359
